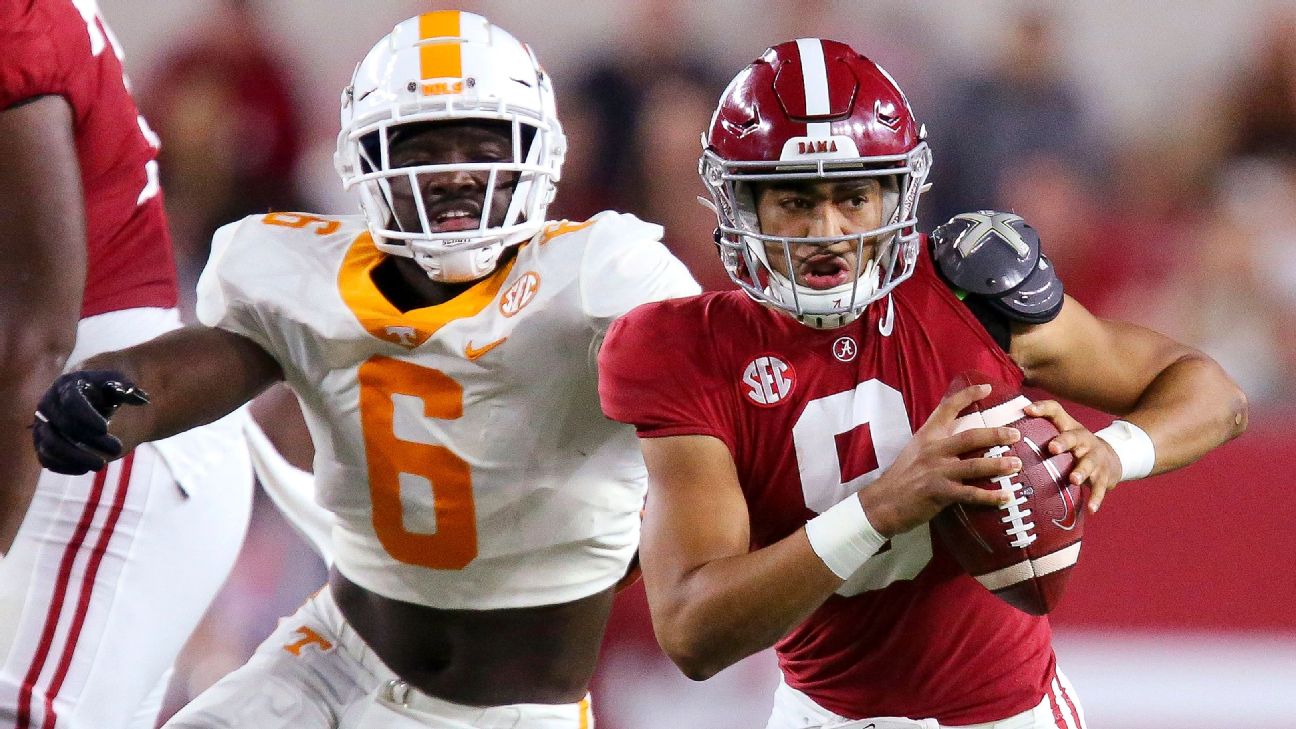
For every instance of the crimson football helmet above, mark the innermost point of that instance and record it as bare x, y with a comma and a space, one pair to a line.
814, 109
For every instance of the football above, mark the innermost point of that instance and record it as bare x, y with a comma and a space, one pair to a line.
1022, 551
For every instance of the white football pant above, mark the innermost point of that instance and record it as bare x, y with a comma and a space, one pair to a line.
1060, 709
315, 672
109, 575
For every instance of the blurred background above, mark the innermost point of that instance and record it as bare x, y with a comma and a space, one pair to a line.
1152, 144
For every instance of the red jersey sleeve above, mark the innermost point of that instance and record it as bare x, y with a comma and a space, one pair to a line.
651, 374
62, 48
32, 63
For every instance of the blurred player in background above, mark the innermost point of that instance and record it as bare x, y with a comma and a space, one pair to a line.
104, 575
796, 434
443, 345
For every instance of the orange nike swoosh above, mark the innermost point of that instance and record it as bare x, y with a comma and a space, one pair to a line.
474, 353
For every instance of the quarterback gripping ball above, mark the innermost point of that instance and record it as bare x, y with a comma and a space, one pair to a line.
1022, 551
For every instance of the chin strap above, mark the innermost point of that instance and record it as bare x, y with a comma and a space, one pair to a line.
827, 321
461, 266
781, 289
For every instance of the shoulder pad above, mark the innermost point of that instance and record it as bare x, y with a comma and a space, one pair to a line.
996, 256
607, 225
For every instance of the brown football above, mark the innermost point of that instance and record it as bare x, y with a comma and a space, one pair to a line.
1022, 551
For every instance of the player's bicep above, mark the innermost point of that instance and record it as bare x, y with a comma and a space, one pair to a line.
695, 513
42, 217
1097, 362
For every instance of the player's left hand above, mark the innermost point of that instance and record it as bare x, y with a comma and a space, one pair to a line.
1095, 461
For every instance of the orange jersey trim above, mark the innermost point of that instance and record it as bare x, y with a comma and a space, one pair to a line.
440, 59
561, 228
410, 328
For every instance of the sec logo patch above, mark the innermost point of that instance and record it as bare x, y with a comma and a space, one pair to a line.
520, 293
768, 380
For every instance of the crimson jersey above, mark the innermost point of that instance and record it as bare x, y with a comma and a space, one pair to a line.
809, 417
62, 48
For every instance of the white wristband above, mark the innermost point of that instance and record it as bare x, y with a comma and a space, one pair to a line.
843, 537
1133, 446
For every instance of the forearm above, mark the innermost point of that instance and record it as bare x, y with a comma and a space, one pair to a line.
1180, 397
193, 376
23, 377
33, 354
730, 608
1191, 407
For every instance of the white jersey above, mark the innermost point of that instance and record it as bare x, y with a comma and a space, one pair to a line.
461, 446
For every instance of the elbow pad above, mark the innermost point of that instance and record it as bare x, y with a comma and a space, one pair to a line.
996, 257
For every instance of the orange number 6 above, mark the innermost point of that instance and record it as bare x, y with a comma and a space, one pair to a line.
301, 220
454, 544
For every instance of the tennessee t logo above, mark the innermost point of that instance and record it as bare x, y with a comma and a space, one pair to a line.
309, 637
404, 336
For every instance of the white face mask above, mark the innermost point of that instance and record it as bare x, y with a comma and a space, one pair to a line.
496, 79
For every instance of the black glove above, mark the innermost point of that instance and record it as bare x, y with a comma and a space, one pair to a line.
71, 426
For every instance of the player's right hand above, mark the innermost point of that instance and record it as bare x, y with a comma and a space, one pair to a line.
928, 474
70, 429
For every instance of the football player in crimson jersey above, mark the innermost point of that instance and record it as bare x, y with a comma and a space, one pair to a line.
796, 434
103, 576
442, 345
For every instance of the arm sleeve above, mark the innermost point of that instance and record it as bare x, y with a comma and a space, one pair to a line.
652, 376
224, 301
30, 64
624, 265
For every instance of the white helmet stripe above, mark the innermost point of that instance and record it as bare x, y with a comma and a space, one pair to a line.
814, 73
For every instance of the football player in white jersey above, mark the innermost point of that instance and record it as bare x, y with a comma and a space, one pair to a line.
443, 346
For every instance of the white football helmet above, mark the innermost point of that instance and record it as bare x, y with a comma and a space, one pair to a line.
440, 67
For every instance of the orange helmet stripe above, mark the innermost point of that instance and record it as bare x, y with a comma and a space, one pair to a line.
440, 60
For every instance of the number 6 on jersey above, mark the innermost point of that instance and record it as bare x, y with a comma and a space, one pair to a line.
454, 543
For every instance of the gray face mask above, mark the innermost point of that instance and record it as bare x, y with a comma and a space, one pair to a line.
745, 248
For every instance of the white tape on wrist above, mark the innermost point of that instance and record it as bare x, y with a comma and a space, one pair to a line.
1133, 447
843, 537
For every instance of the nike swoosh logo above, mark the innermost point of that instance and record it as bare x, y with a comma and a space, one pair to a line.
1070, 514
886, 324
475, 353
